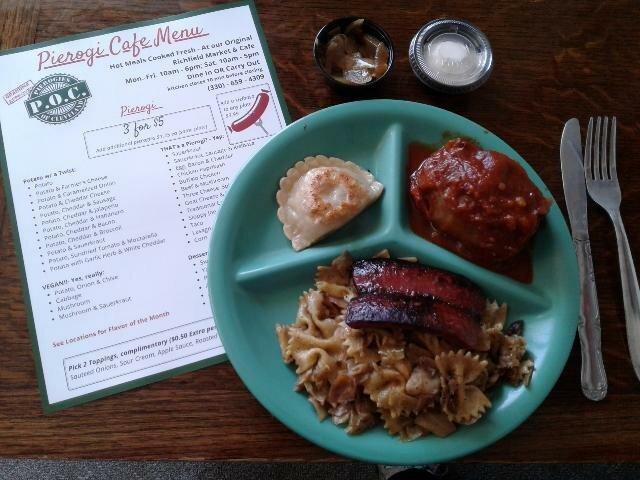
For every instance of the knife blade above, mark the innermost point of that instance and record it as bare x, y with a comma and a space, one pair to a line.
593, 376
575, 190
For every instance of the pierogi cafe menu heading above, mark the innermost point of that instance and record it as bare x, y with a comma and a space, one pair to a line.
140, 131
130, 48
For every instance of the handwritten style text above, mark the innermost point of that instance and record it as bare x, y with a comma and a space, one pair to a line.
118, 45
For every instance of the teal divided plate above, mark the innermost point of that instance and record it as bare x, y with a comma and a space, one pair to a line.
255, 277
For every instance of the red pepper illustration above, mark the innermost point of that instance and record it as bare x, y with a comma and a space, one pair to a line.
253, 115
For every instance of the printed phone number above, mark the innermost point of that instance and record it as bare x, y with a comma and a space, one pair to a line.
237, 81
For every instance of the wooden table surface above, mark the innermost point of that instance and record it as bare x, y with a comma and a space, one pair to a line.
553, 60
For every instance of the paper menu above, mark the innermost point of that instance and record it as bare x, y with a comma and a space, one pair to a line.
118, 149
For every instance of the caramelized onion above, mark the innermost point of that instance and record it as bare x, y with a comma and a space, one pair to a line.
355, 57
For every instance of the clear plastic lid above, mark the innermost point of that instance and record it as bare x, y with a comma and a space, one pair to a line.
451, 56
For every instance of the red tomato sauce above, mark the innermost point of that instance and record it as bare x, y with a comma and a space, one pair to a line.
519, 267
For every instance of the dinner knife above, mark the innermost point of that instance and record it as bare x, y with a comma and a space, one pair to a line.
593, 376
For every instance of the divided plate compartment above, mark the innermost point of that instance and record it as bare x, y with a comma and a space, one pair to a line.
256, 278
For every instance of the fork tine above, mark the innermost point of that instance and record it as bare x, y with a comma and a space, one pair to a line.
604, 173
612, 151
596, 150
587, 151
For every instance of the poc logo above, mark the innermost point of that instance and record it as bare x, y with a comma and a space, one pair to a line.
57, 98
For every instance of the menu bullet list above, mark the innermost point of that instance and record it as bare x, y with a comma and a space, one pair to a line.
74, 216
195, 175
197, 178
78, 221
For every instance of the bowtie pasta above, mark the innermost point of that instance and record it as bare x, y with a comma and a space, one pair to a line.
412, 382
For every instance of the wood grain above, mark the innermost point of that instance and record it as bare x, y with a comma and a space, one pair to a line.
553, 60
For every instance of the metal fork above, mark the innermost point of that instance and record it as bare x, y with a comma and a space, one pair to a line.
602, 184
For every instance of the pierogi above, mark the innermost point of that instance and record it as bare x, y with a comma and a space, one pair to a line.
320, 195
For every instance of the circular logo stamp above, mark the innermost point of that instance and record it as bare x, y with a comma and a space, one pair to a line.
57, 98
